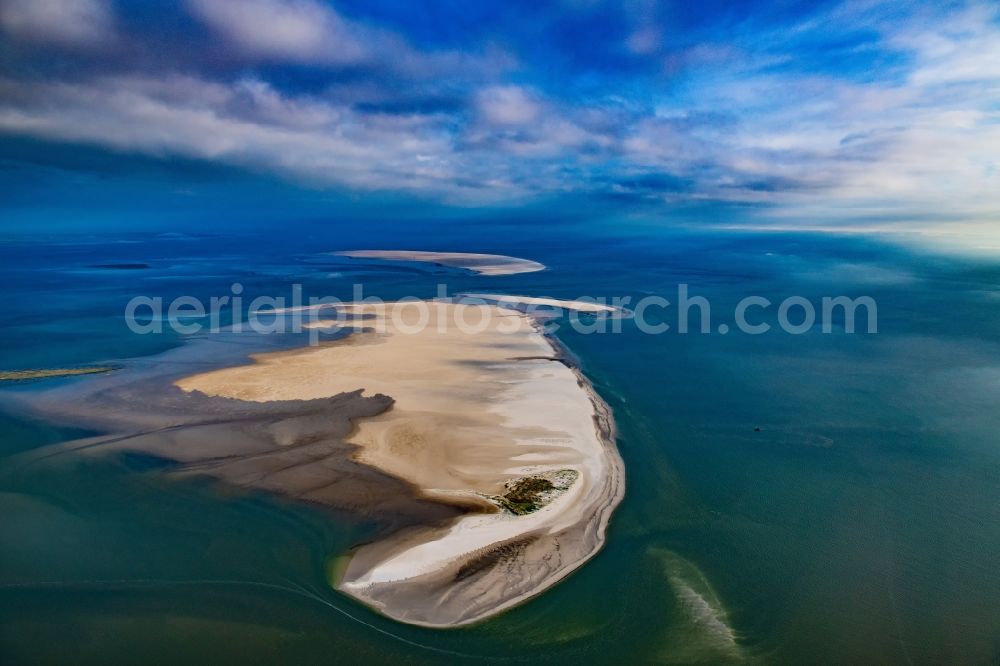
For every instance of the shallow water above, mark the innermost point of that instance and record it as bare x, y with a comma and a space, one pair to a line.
860, 523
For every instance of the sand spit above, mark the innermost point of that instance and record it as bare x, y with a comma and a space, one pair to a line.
23, 375
532, 301
479, 412
483, 264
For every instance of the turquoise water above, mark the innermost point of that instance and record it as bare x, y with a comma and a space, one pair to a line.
860, 523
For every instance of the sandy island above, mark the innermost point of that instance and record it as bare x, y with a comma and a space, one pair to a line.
486, 415
483, 264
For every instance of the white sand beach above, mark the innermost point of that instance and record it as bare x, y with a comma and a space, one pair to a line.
532, 301
480, 409
483, 264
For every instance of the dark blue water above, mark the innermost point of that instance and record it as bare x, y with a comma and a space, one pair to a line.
791, 498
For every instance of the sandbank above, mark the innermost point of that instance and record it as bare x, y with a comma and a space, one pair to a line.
578, 305
22, 375
483, 264
478, 409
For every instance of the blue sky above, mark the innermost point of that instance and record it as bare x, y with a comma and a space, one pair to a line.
818, 115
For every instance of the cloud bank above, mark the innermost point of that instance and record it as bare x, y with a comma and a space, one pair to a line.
66, 22
862, 113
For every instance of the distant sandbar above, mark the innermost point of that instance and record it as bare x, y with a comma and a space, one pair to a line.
558, 303
483, 264
24, 375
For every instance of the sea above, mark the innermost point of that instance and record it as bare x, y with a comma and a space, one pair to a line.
806, 496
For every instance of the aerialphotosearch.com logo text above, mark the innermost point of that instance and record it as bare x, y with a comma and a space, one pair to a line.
651, 314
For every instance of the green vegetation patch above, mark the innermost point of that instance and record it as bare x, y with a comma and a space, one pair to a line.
530, 493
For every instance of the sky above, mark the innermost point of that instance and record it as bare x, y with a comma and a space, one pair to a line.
840, 116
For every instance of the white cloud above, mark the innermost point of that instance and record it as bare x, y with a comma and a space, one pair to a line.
919, 144
246, 123
963, 48
318, 140
65, 22
314, 33
507, 105
516, 122
286, 29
